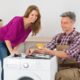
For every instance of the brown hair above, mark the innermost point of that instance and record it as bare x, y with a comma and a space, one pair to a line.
37, 25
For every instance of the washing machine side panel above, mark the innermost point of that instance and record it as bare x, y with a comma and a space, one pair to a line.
53, 67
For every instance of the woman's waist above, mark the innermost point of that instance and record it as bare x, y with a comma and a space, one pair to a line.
2, 43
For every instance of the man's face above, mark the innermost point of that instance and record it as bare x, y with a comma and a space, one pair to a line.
67, 24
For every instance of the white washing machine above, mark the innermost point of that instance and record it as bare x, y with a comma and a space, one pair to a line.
30, 68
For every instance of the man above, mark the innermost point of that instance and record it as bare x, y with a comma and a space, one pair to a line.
65, 45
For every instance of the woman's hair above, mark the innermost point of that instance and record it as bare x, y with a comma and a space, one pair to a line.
37, 25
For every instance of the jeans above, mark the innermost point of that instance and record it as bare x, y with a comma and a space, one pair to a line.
3, 54
0, 70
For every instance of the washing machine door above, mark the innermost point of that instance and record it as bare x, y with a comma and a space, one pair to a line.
25, 78
29, 76
21, 75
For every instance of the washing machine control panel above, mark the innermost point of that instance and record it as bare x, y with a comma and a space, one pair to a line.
39, 56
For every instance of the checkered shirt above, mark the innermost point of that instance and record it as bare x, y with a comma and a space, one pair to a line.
72, 39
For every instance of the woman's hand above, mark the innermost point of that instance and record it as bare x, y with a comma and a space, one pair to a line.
13, 51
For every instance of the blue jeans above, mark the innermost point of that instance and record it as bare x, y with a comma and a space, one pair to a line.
3, 54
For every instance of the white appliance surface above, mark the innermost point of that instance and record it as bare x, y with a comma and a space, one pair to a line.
43, 68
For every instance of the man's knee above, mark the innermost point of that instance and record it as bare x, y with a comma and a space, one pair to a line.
61, 75
68, 74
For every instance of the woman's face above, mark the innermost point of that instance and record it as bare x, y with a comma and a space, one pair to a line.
33, 16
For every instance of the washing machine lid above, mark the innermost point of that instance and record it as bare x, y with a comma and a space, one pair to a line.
39, 56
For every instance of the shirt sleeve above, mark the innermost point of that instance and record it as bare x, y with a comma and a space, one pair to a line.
52, 44
74, 48
12, 27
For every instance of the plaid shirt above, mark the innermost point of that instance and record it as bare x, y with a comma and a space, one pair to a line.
72, 39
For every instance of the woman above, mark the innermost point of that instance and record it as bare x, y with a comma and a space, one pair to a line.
17, 30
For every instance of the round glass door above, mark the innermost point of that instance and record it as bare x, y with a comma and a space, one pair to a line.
25, 78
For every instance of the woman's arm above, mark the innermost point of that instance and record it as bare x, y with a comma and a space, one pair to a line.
8, 44
11, 50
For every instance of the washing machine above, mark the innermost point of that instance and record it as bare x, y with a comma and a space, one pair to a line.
30, 67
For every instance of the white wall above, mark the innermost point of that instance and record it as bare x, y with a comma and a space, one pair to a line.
50, 11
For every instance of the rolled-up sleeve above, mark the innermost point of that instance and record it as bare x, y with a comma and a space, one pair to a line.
74, 48
12, 30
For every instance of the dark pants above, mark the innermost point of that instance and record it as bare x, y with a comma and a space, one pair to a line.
3, 53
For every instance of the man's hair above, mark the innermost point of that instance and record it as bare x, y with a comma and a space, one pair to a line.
69, 14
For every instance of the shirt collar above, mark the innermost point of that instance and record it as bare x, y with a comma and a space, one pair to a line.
72, 32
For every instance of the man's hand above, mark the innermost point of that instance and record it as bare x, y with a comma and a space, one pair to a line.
45, 51
38, 51
33, 50
30, 51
